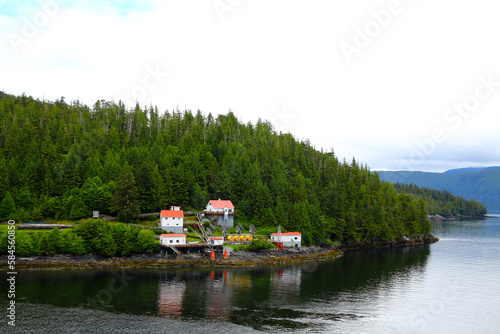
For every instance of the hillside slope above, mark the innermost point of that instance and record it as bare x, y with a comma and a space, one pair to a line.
62, 161
482, 185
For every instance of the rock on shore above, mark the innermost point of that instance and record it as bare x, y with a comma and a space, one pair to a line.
240, 258
404, 241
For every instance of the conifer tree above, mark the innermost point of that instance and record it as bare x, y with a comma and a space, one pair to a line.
125, 200
7, 207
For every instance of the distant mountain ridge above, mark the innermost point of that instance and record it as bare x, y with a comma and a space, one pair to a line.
469, 169
481, 184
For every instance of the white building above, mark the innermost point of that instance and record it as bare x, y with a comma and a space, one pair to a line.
289, 239
221, 211
173, 239
215, 241
172, 220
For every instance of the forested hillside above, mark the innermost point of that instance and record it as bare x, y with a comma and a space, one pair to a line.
482, 185
61, 161
442, 202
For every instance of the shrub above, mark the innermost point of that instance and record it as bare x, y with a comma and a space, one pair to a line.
257, 245
24, 246
104, 244
146, 242
159, 231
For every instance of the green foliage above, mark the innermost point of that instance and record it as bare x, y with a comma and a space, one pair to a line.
97, 195
104, 244
146, 242
267, 230
7, 207
75, 245
125, 199
130, 241
56, 241
199, 197
159, 231
24, 244
257, 245
78, 209
483, 185
112, 239
65, 160
4, 241
441, 202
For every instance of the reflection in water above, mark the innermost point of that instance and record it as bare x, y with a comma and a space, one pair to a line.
271, 297
170, 296
279, 295
402, 290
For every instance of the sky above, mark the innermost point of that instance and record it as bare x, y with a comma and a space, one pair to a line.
396, 84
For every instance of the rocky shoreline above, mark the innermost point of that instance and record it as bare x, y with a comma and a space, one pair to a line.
400, 242
240, 258
455, 217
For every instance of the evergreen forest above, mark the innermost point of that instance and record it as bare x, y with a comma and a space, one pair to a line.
481, 184
442, 202
61, 161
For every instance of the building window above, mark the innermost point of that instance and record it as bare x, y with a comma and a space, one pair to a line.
295, 238
177, 241
171, 241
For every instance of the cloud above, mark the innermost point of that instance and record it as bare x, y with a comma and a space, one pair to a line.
261, 58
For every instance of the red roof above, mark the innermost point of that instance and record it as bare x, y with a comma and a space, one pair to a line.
216, 238
288, 233
172, 213
221, 204
173, 235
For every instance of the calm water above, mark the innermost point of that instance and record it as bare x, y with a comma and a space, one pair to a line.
452, 286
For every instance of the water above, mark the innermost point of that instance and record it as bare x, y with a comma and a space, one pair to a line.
452, 286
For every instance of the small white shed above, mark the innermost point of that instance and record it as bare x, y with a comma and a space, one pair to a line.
216, 241
289, 239
172, 239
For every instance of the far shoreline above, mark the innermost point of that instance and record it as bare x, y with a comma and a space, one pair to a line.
458, 217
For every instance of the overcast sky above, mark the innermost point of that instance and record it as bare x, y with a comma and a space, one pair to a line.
399, 85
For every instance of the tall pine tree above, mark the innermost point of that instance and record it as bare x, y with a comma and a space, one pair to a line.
7, 207
125, 201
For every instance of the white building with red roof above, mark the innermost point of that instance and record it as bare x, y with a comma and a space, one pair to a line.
172, 220
221, 212
172, 239
215, 241
289, 239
